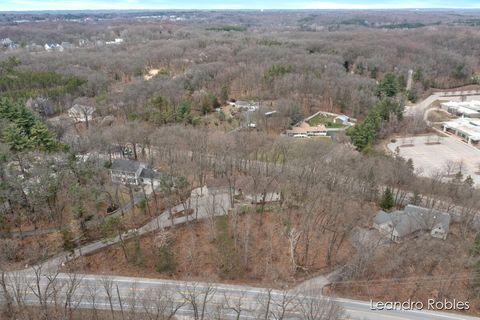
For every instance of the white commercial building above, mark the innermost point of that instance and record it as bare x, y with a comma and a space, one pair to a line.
466, 128
469, 109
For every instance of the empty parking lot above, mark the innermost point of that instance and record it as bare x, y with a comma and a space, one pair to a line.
430, 158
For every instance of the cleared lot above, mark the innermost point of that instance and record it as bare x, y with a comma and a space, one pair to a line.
430, 158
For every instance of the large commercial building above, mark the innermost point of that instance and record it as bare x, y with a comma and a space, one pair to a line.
470, 109
466, 128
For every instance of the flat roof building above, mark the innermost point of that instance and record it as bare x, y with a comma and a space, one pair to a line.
469, 109
466, 128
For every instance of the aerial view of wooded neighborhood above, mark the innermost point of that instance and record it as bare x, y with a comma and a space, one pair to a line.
239, 164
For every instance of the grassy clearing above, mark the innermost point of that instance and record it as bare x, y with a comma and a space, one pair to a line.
327, 121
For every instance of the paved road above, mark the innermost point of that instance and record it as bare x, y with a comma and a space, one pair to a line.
139, 294
424, 105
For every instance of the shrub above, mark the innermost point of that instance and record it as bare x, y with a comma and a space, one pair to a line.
9, 249
165, 261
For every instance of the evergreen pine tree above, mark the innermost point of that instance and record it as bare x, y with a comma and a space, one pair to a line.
387, 202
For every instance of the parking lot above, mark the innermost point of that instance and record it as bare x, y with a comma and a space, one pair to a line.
432, 155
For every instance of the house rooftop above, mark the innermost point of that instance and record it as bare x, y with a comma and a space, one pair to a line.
126, 165
342, 117
149, 173
430, 218
414, 218
305, 128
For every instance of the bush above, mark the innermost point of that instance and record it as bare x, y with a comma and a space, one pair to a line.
165, 259
9, 249
277, 70
137, 256
475, 251
228, 261
68, 242
110, 226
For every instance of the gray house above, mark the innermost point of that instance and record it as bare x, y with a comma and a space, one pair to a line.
133, 172
399, 224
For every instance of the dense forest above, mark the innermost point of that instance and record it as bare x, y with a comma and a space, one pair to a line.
269, 56
153, 87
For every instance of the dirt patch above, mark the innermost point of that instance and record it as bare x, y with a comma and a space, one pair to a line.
183, 213
19, 253
151, 73
438, 116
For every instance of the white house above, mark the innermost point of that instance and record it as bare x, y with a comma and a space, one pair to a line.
116, 41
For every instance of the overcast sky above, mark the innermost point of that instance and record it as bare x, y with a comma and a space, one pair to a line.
22, 5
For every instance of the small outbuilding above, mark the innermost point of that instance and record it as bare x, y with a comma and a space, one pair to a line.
342, 119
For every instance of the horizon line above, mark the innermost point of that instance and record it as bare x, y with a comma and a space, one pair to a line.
238, 9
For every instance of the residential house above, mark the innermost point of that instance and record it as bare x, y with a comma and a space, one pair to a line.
53, 47
399, 224
305, 130
244, 105
150, 177
267, 197
126, 171
132, 172
8, 43
116, 41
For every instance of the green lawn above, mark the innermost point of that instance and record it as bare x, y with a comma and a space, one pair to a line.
325, 120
